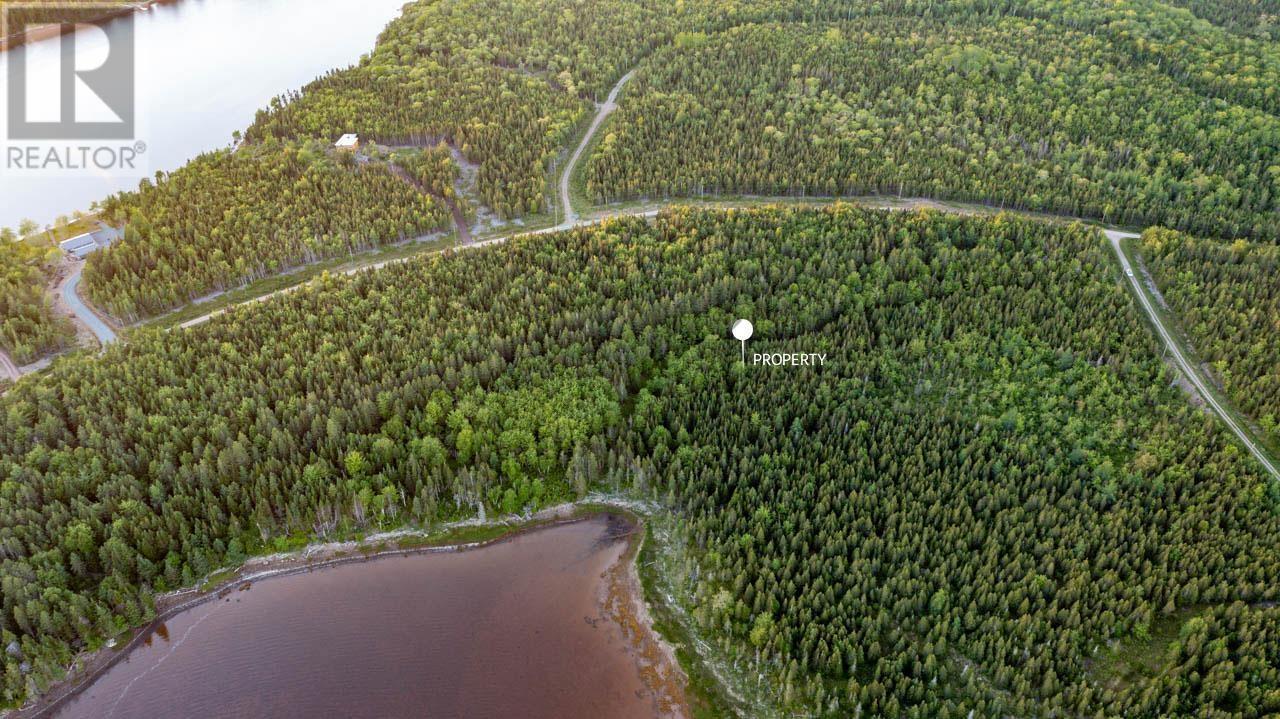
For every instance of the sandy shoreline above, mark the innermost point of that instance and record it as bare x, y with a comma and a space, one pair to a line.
622, 600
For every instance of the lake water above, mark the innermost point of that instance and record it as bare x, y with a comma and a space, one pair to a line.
204, 67
510, 630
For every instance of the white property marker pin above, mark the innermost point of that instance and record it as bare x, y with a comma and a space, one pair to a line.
742, 331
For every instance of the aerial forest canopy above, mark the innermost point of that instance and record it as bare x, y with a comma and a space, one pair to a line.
1258, 18
1134, 111
1041, 110
989, 486
227, 218
29, 328
989, 500
1228, 300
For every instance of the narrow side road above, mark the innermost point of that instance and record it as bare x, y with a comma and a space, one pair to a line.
69, 289
70, 293
602, 112
371, 266
459, 219
1189, 370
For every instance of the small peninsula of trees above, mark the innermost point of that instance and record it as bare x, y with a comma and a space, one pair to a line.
989, 482
22, 15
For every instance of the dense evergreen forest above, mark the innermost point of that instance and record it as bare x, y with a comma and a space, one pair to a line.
1228, 300
229, 217
1220, 664
1133, 111
990, 491
431, 168
504, 83
1035, 112
989, 482
1259, 18
29, 328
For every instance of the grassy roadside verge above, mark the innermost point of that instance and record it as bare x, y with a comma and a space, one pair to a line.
891, 202
578, 194
47, 239
1173, 323
556, 213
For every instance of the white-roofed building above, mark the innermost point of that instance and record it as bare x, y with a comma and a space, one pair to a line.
349, 141
80, 245
83, 245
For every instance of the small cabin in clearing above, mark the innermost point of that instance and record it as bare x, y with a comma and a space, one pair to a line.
349, 142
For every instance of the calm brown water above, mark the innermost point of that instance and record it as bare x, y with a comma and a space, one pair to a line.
510, 630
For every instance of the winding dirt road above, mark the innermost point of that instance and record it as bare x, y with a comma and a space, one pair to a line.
70, 291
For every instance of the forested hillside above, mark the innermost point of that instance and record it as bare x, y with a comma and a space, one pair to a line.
230, 217
990, 492
431, 168
1258, 18
993, 483
1132, 112
1044, 113
1228, 300
504, 82
989, 480
29, 329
